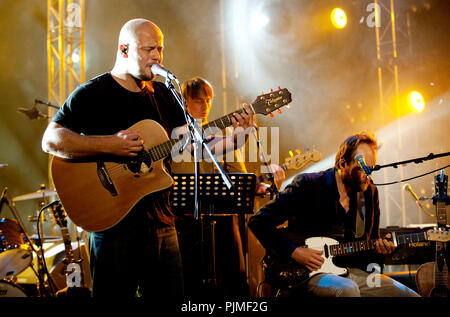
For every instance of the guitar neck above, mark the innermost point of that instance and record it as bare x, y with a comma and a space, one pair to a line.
222, 122
266, 176
366, 245
440, 267
441, 213
67, 245
165, 149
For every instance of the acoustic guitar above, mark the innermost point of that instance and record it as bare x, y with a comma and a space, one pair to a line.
98, 193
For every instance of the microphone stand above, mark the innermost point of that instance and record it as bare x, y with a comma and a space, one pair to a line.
199, 142
418, 160
273, 188
34, 112
37, 101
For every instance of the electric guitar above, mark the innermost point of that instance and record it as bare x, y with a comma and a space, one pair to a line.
289, 273
432, 278
97, 194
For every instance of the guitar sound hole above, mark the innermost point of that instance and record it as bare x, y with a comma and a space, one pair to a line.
135, 164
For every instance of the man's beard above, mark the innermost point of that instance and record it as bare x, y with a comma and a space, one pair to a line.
139, 78
353, 182
145, 77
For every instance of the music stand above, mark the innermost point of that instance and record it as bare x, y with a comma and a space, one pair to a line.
214, 199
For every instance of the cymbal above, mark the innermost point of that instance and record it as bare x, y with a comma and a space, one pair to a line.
36, 195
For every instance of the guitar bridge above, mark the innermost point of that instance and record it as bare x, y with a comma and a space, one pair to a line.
105, 179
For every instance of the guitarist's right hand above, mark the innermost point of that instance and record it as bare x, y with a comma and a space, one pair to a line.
126, 143
309, 258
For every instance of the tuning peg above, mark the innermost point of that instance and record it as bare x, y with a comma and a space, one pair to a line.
271, 115
262, 92
279, 88
271, 90
291, 153
280, 111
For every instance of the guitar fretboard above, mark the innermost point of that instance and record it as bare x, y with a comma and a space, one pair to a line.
67, 245
267, 176
440, 271
441, 213
163, 150
366, 245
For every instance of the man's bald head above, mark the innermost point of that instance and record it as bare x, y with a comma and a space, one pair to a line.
140, 46
130, 31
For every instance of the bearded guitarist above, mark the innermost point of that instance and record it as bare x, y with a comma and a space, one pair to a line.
339, 203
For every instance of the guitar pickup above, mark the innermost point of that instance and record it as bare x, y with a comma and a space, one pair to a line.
105, 179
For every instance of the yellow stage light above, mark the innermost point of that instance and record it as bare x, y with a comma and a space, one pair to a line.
416, 100
338, 18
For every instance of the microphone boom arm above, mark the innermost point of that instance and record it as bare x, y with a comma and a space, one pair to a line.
418, 160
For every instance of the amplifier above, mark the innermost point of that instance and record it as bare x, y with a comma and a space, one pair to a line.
411, 253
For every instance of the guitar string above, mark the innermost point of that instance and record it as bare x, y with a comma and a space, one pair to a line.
165, 149
116, 167
337, 249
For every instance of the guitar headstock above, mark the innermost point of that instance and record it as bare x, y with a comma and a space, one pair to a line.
301, 159
438, 234
60, 215
441, 182
267, 103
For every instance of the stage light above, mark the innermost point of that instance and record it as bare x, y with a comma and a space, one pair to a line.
258, 21
75, 56
338, 18
416, 100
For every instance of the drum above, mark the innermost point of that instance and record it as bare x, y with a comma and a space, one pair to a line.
10, 289
15, 254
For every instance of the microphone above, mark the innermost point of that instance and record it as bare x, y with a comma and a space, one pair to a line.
32, 113
161, 71
359, 159
408, 189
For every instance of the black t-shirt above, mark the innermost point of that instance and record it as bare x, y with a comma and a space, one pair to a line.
102, 106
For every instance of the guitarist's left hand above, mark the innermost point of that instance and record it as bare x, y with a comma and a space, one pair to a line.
384, 246
243, 119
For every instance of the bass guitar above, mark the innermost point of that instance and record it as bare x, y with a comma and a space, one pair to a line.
97, 194
295, 162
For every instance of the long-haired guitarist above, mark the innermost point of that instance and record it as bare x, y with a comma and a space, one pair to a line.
339, 203
141, 251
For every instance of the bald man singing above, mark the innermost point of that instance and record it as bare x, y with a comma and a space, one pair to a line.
140, 254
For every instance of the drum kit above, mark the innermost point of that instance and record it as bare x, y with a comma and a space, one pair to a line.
20, 252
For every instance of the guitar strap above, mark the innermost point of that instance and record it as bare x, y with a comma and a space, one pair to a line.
360, 216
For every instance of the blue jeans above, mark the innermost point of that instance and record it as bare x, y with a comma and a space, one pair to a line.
357, 284
137, 256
